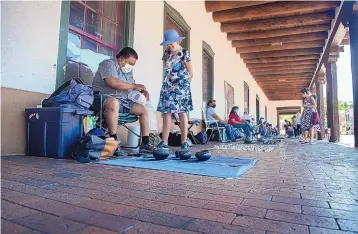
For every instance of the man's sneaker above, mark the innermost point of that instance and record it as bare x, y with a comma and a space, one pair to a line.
184, 146
162, 146
146, 149
118, 153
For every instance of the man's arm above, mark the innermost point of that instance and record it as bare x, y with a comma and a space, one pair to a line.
215, 116
117, 84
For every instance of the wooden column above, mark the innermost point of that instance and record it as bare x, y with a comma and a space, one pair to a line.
353, 31
320, 102
332, 98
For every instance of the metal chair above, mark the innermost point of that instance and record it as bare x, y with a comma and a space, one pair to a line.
211, 125
191, 123
123, 119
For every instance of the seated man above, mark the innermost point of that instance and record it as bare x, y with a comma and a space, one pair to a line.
236, 122
114, 77
212, 117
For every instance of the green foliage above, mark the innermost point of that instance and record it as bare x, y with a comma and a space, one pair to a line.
344, 105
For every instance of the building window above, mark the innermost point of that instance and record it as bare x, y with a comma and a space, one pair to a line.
94, 31
207, 73
173, 20
246, 97
229, 98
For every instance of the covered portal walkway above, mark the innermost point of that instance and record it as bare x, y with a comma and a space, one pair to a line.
293, 189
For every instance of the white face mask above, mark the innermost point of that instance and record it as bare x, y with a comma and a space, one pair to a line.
127, 68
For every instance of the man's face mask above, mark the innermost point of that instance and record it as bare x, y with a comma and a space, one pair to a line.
214, 105
127, 68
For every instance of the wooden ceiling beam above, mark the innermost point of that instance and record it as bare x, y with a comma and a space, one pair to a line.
212, 6
281, 53
263, 61
284, 76
278, 32
282, 72
291, 63
283, 40
279, 23
272, 10
274, 79
284, 68
287, 46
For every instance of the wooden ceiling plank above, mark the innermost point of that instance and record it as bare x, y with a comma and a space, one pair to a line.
281, 53
282, 72
279, 23
278, 32
272, 10
291, 63
212, 6
284, 68
287, 46
284, 39
281, 59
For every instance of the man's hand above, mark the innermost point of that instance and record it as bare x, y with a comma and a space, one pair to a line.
139, 87
146, 94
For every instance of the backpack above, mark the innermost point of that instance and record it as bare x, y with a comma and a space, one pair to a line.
202, 137
71, 92
93, 146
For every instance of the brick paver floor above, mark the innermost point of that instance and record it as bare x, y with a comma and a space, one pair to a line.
293, 189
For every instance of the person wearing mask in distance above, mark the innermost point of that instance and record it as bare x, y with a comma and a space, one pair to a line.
212, 118
114, 80
236, 122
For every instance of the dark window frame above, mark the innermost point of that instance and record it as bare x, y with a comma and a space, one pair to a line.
179, 21
125, 38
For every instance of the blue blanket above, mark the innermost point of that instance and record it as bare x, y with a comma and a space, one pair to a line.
217, 166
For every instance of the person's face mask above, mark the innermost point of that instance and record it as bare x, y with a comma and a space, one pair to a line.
237, 112
213, 106
174, 46
127, 68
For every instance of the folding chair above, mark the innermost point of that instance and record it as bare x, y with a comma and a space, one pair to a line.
214, 125
191, 123
85, 74
123, 118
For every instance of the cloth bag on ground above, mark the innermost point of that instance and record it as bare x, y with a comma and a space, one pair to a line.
94, 147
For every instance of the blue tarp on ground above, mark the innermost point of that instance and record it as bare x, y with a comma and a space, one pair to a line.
217, 166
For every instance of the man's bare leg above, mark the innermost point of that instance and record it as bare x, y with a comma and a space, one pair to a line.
111, 110
142, 113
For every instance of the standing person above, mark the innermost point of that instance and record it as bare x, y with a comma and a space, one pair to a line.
309, 104
294, 125
298, 120
175, 95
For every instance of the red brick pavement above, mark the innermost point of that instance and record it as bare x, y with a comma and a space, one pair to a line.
293, 189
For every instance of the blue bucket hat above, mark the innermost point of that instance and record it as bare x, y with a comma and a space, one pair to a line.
170, 37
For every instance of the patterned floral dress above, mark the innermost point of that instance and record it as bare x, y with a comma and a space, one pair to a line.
175, 95
306, 115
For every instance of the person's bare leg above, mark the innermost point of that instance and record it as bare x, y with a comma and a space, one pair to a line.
183, 118
142, 113
305, 135
111, 110
311, 134
167, 121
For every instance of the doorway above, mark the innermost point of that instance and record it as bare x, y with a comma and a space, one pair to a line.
257, 108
